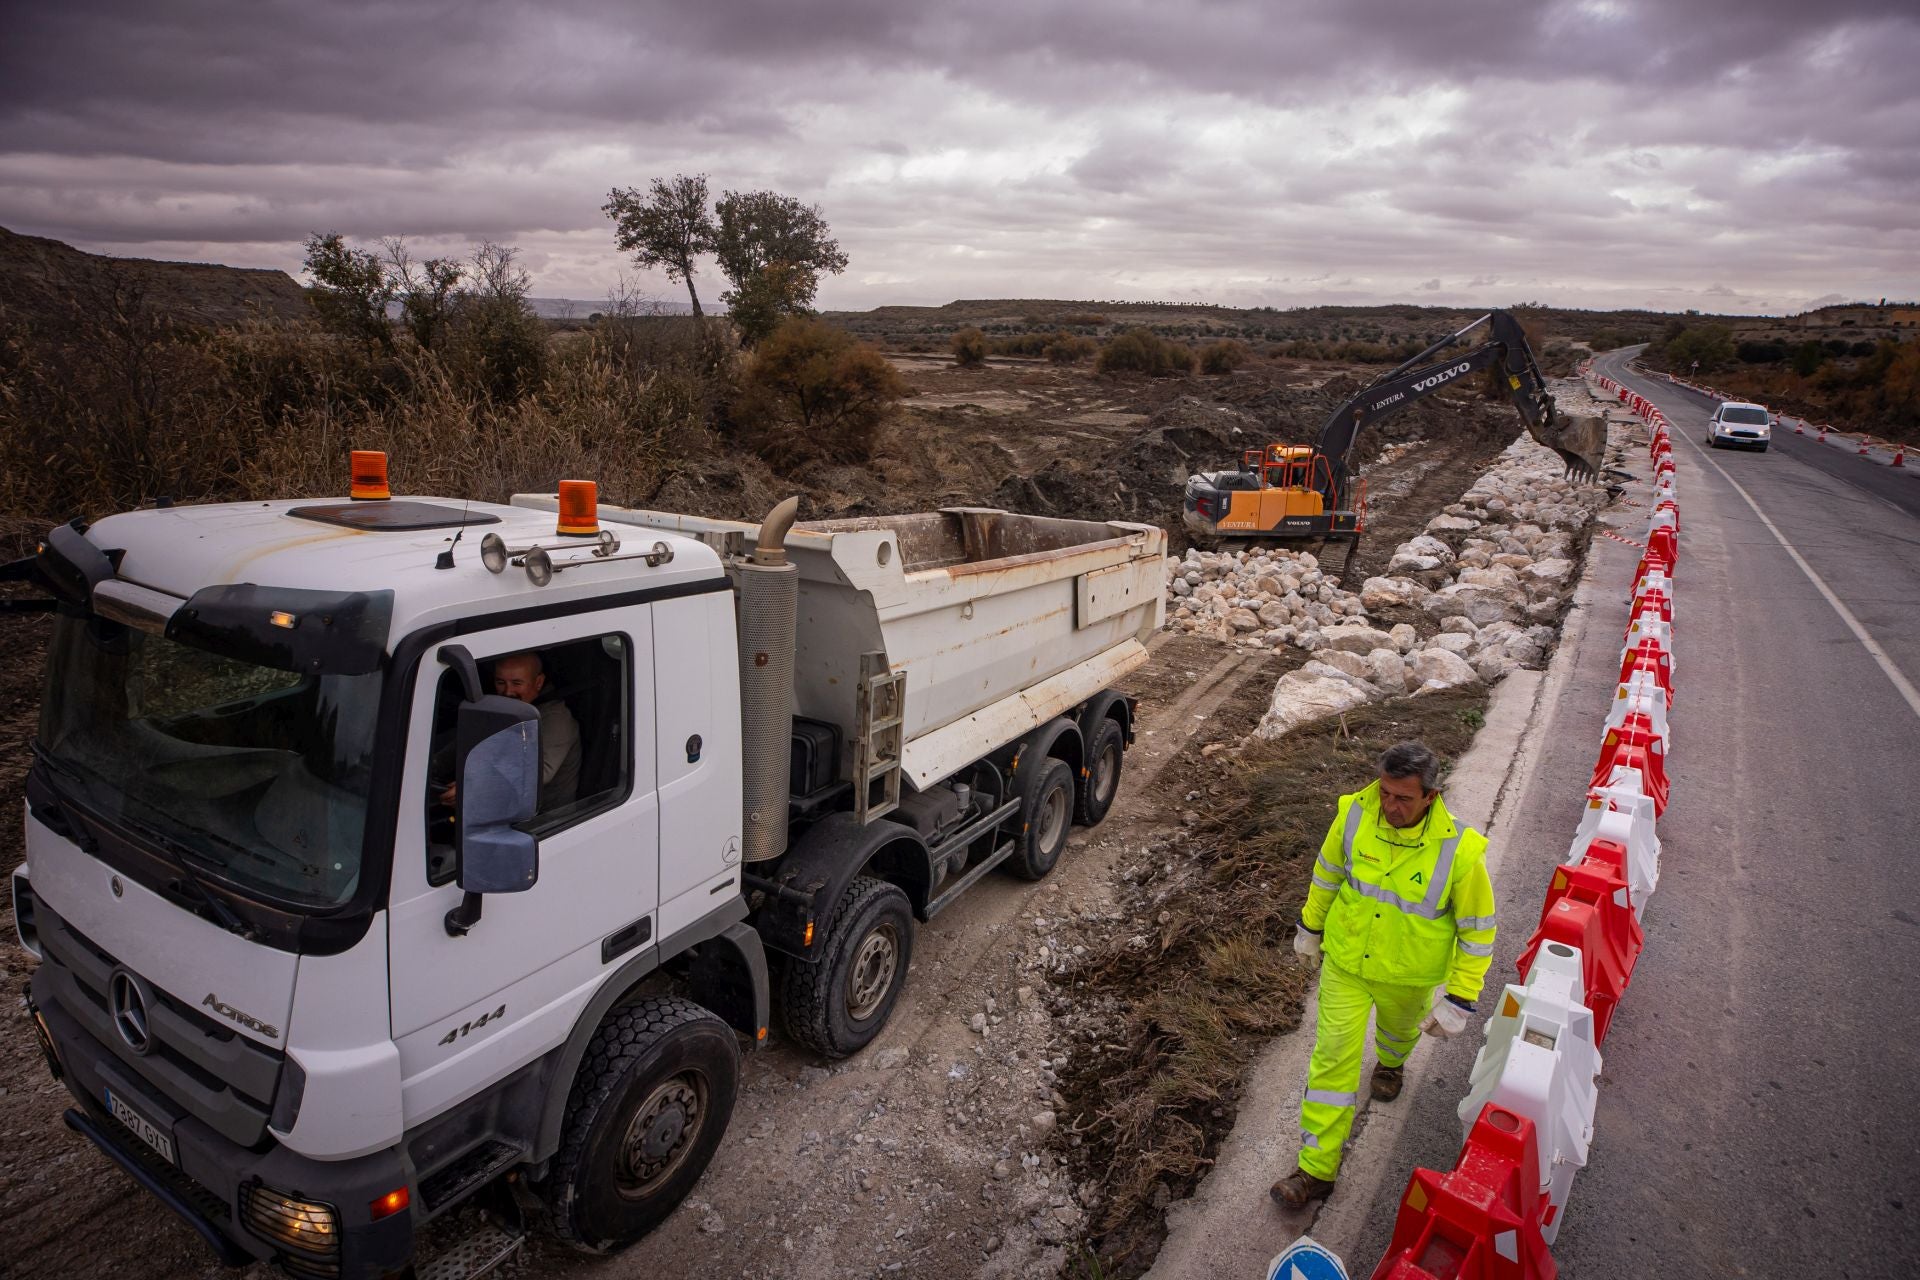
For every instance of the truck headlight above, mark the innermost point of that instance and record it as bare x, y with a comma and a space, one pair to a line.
308, 1226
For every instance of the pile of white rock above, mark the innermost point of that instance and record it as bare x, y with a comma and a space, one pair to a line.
1491, 576
1257, 598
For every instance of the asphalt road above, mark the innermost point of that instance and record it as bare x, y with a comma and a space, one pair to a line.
1757, 1113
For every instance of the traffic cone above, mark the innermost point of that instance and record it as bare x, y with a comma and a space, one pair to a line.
1900, 455
1865, 439
1823, 433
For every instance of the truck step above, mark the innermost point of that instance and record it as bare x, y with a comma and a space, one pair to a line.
965, 882
474, 1169
473, 1255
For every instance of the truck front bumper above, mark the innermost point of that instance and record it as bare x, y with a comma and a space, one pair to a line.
236, 1198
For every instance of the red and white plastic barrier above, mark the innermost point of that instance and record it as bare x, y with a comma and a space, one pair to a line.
1531, 1098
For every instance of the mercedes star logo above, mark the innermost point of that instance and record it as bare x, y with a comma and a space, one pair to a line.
128, 1004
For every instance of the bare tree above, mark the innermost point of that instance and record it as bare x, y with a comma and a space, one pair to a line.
667, 227
426, 291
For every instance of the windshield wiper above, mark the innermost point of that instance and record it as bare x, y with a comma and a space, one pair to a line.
59, 817
178, 854
176, 851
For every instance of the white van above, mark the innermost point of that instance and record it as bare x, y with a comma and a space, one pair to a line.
1739, 425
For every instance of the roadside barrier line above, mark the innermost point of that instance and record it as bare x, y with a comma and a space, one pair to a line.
1872, 646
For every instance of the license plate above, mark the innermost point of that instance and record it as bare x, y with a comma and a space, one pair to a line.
144, 1129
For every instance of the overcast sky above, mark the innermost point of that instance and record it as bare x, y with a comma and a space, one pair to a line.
1732, 155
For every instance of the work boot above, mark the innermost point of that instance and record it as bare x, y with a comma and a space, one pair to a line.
1386, 1083
1299, 1189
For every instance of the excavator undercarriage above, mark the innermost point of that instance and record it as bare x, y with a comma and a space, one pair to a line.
1293, 492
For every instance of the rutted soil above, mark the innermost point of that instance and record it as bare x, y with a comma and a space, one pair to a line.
942, 1149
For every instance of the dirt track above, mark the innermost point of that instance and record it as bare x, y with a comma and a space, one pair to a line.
936, 1150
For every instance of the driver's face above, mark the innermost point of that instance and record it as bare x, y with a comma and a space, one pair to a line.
519, 678
1402, 801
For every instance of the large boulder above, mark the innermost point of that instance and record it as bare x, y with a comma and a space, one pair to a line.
1356, 638
1387, 669
1474, 602
1301, 698
1274, 614
1438, 669
1339, 662
1380, 593
1454, 642
1451, 524
1404, 637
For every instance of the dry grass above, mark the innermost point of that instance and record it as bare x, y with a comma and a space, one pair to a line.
1218, 977
113, 406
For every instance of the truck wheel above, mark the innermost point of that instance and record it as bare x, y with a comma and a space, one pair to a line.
1046, 819
645, 1114
1102, 783
837, 1005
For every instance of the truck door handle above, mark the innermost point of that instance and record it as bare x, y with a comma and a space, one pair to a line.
693, 749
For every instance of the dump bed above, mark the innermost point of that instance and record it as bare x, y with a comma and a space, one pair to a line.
998, 621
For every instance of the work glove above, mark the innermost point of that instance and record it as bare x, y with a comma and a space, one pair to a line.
1306, 945
1447, 1019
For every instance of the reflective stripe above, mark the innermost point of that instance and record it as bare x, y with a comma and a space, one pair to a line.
1475, 948
1442, 872
1328, 1098
1388, 1038
1325, 884
1331, 868
1473, 922
1394, 900
1427, 908
1309, 1139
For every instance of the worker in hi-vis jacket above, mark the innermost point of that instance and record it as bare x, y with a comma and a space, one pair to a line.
1401, 910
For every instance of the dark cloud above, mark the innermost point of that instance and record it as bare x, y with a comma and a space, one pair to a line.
1238, 148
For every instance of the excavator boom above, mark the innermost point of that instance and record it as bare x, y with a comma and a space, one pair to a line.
1313, 496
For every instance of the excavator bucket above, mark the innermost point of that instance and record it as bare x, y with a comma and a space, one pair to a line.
1580, 441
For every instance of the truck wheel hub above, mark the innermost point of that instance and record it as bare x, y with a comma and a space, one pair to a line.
660, 1135
873, 969
1053, 816
1106, 771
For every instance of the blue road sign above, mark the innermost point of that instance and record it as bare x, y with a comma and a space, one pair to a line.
1305, 1260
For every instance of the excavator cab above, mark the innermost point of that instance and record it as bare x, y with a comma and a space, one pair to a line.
1283, 490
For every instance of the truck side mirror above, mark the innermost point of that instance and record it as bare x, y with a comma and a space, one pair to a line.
497, 770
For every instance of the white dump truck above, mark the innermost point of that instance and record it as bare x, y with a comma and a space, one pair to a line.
379, 849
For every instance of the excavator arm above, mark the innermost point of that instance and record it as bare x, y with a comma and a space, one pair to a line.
1580, 442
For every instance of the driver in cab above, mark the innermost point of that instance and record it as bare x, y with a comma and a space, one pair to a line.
521, 676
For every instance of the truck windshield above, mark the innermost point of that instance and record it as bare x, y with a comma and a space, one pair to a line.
1745, 415
259, 777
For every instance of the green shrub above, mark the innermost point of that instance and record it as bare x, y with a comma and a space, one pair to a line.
1223, 356
1069, 348
969, 348
815, 392
1144, 351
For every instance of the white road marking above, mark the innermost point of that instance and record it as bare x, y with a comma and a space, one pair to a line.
1872, 646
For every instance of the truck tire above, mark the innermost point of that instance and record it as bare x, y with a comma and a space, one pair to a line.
645, 1114
1046, 820
1102, 783
837, 1005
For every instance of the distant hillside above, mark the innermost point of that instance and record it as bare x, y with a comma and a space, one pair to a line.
930, 327
45, 277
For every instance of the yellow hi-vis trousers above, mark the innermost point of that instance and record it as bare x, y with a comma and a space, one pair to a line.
1333, 1077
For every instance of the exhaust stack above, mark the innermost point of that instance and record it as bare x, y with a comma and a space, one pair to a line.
769, 594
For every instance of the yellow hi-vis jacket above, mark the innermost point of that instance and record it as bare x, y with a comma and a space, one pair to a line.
1411, 906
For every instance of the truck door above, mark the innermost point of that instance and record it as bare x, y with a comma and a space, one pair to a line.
468, 1010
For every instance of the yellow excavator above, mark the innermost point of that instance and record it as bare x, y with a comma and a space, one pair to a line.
1297, 491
